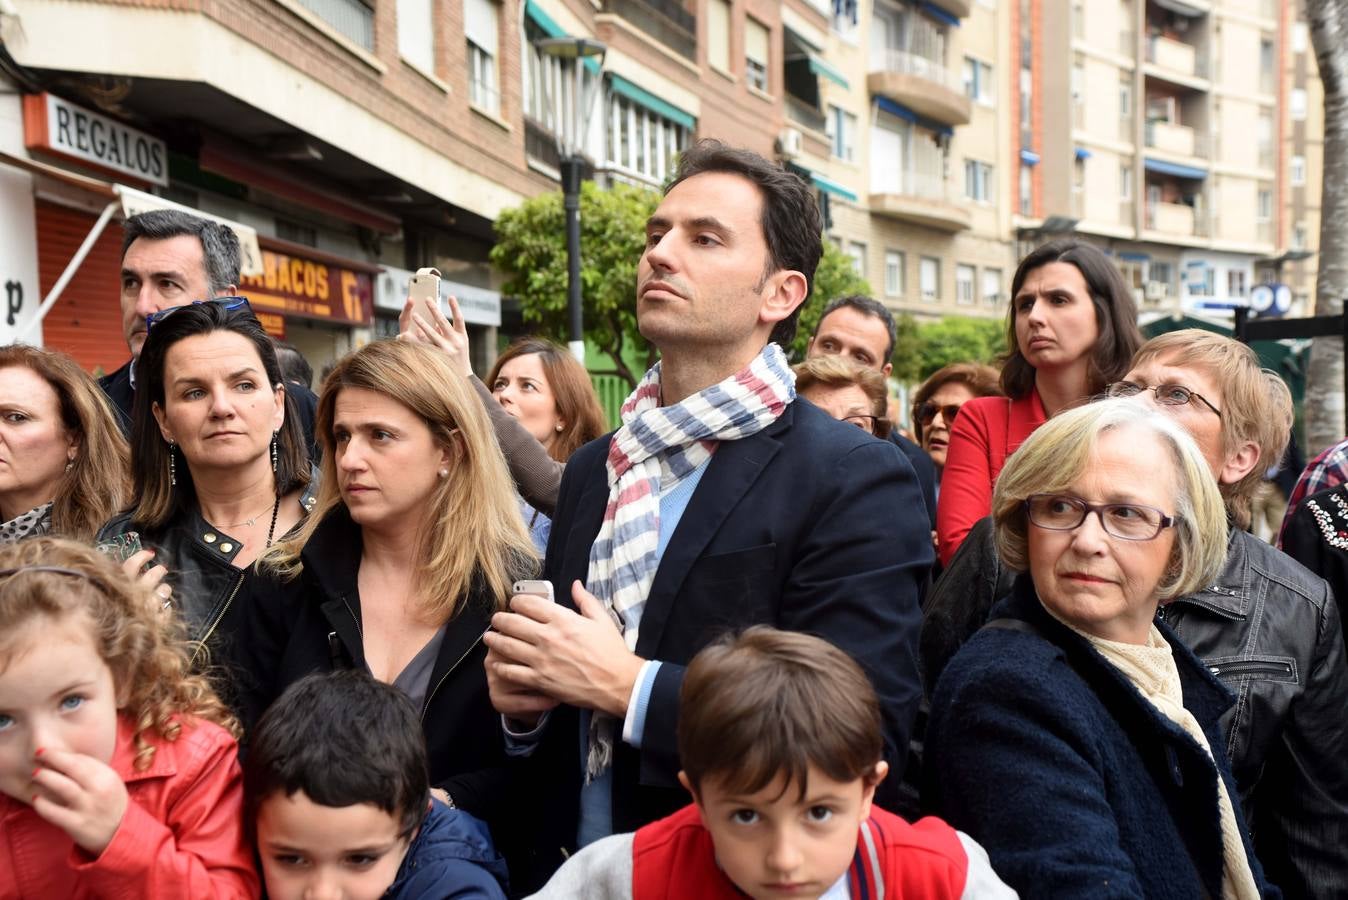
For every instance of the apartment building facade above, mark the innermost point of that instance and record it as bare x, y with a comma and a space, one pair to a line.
1154, 127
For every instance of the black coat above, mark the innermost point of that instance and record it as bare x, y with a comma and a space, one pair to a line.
809, 525
312, 624
1270, 630
1044, 753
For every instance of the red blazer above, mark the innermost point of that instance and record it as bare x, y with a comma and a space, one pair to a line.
986, 432
182, 835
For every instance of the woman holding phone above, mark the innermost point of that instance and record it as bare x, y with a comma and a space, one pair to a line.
414, 542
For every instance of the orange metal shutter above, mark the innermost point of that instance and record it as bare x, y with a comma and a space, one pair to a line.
87, 321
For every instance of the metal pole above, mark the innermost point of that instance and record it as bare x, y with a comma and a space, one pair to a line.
571, 172
71, 268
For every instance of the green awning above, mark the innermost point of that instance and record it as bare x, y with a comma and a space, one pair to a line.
819, 67
550, 27
832, 187
643, 97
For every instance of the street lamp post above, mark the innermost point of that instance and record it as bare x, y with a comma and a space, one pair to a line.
570, 143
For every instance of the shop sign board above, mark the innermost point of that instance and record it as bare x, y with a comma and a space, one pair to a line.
19, 291
59, 127
291, 285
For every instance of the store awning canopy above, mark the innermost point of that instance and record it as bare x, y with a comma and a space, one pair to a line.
642, 97
1161, 167
903, 112
129, 201
1029, 157
819, 67
832, 187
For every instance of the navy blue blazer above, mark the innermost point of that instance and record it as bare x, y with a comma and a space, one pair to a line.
1043, 752
810, 525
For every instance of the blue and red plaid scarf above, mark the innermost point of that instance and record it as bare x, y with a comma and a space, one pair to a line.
656, 448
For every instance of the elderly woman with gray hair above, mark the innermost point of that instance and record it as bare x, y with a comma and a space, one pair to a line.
1074, 736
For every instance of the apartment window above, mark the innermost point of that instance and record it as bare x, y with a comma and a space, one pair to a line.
296, 233
893, 273
1296, 170
978, 81
1300, 37
1296, 103
1161, 273
978, 181
718, 34
1266, 64
964, 285
1125, 96
415, 41
1125, 182
857, 251
929, 278
1235, 282
1026, 97
845, 17
992, 287
639, 142
1299, 236
1264, 205
842, 131
351, 19
480, 28
1025, 191
756, 54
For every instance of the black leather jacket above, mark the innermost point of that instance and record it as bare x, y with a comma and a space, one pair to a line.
1269, 629
200, 562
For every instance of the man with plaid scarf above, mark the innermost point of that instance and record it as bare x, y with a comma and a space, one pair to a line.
721, 502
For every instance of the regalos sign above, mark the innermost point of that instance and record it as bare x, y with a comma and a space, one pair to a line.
307, 288
57, 126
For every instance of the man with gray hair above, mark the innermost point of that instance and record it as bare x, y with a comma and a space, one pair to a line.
172, 258
169, 258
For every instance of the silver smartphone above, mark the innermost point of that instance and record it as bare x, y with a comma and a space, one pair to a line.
535, 589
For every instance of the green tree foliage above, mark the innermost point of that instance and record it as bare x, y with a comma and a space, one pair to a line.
531, 251
835, 277
924, 348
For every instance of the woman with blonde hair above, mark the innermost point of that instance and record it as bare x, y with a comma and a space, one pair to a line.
64, 465
846, 390
414, 542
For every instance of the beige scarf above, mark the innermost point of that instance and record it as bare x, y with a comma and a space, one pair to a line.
1152, 670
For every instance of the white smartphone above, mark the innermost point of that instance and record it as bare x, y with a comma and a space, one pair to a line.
536, 589
425, 285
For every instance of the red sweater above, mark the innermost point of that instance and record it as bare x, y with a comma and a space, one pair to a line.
922, 861
182, 835
986, 432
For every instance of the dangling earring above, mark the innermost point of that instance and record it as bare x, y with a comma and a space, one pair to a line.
273, 451
173, 467
70, 464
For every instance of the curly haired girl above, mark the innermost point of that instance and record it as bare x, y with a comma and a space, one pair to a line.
118, 767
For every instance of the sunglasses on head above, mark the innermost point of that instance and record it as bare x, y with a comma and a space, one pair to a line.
926, 413
227, 303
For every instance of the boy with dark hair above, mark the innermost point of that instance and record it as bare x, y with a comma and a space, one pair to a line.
780, 742
340, 800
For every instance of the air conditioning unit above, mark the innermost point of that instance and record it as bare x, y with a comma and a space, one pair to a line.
1157, 290
789, 142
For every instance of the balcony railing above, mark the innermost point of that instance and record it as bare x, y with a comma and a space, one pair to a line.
904, 63
1181, 140
1176, 56
1171, 218
924, 184
667, 21
540, 144
805, 115
351, 19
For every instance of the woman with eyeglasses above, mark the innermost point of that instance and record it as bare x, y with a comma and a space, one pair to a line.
845, 390
219, 462
1075, 736
938, 401
1071, 329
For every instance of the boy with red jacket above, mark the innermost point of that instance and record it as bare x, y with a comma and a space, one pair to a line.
780, 746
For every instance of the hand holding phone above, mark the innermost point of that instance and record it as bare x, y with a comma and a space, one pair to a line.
535, 589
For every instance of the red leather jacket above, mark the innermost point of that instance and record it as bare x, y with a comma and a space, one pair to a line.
182, 835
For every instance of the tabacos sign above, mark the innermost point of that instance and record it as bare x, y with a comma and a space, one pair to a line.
59, 127
294, 286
